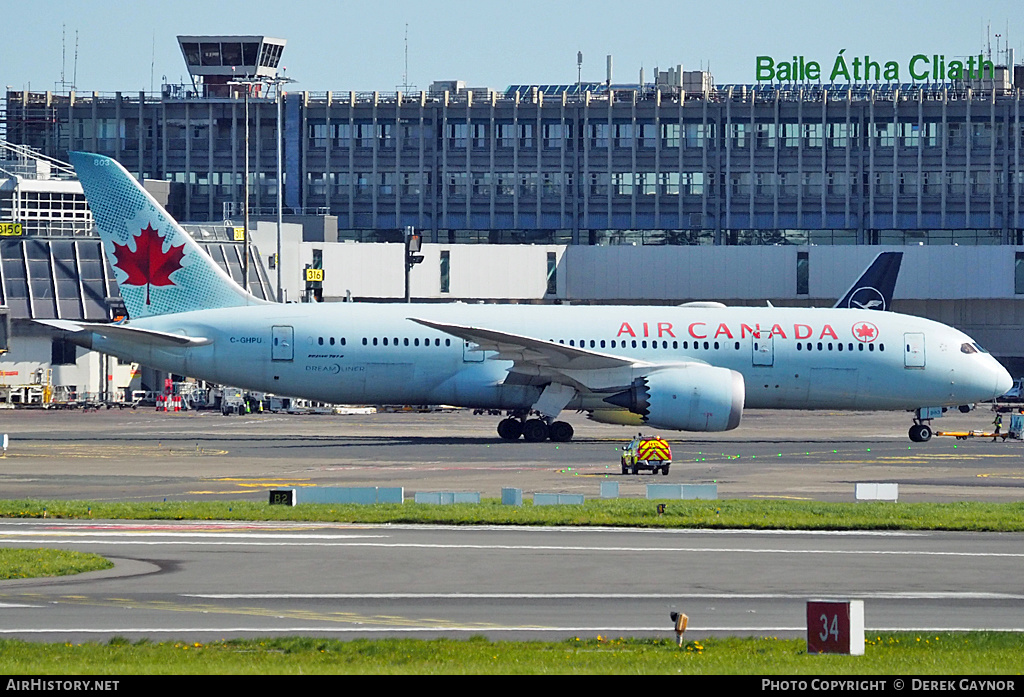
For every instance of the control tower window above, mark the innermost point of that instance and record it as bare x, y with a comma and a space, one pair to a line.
191, 52
231, 53
249, 52
211, 54
271, 56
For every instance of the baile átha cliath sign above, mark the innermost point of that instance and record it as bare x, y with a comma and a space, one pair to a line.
865, 68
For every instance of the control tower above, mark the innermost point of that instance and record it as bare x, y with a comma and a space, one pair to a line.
213, 61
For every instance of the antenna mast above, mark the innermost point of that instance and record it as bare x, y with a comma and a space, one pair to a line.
405, 87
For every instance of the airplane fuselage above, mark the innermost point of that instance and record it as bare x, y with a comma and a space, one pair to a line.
790, 358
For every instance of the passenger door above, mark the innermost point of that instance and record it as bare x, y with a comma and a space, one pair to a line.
763, 349
282, 339
913, 350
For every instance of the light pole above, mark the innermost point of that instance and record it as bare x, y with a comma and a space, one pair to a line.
277, 81
247, 83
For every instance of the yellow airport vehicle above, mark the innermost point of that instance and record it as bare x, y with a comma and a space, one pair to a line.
1016, 431
647, 453
964, 435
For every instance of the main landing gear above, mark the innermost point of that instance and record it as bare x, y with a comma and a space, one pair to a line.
534, 430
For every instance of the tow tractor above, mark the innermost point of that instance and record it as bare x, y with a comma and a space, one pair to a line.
1016, 431
646, 453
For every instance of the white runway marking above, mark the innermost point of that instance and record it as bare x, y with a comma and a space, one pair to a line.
241, 540
475, 630
882, 595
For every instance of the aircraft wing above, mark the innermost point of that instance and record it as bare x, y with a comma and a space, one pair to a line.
525, 350
147, 337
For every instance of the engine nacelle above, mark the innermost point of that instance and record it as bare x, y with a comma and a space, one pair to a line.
693, 397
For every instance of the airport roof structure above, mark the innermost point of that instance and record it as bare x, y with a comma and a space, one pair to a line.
70, 278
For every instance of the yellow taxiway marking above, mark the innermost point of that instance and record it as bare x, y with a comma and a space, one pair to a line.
246, 485
108, 451
791, 498
1002, 475
277, 613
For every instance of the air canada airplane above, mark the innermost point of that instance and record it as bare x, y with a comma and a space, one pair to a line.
690, 368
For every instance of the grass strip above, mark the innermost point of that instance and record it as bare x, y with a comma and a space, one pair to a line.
971, 653
725, 514
33, 563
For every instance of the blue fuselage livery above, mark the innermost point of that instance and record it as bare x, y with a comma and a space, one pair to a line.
691, 367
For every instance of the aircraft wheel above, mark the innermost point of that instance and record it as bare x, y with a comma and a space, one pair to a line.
920, 433
535, 431
560, 432
510, 429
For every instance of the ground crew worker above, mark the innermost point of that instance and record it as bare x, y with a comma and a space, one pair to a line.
998, 423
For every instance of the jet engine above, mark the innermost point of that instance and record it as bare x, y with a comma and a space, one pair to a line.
693, 397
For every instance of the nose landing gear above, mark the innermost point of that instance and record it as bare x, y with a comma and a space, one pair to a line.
920, 432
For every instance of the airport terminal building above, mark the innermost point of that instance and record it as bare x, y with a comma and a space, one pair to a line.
661, 191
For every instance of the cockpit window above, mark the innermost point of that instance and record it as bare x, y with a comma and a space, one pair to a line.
979, 347
968, 348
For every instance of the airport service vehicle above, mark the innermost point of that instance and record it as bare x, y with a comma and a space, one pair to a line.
646, 453
693, 367
1014, 395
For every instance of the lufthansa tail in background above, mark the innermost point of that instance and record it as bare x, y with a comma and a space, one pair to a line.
693, 367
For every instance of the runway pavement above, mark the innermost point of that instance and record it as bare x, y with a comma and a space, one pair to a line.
202, 581
144, 455
205, 581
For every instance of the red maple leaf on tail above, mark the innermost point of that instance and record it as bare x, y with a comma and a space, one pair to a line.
148, 265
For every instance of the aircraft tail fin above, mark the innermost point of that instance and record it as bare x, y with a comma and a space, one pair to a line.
160, 269
874, 289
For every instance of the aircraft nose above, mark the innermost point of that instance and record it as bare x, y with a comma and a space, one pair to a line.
1003, 381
